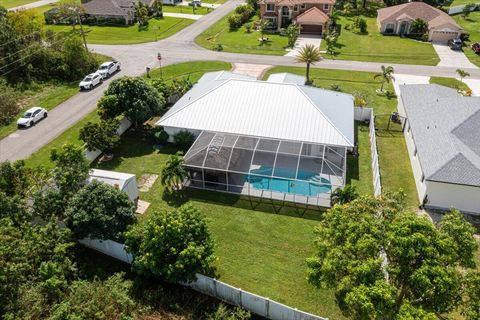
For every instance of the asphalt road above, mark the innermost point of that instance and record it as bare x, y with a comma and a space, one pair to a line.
178, 48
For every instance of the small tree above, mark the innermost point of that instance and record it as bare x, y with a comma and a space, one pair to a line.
263, 26
462, 74
173, 173
141, 12
133, 98
8, 103
71, 170
173, 245
309, 54
293, 31
331, 42
467, 9
386, 76
183, 139
101, 136
100, 211
344, 195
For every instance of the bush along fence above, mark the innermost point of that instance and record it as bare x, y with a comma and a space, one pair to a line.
366, 114
262, 306
459, 9
122, 127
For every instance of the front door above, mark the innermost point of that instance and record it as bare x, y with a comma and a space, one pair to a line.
403, 28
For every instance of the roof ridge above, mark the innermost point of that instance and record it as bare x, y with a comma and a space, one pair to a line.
323, 114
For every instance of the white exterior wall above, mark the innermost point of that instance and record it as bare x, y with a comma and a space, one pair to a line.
173, 131
447, 195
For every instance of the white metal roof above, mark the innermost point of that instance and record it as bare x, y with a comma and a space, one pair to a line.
112, 178
286, 78
265, 109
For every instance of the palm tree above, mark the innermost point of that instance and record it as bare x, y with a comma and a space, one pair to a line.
173, 173
345, 195
309, 54
462, 74
386, 75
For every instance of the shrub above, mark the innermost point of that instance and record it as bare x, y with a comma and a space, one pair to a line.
246, 11
183, 138
8, 104
100, 136
217, 47
235, 21
293, 31
173, 245
360, 24
160, 135
248, 27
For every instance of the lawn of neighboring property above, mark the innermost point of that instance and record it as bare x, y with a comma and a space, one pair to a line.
449, 82
376, 47
186, 9
471, 24
395, 169
193, 70
214, 1
241, 41
14, 3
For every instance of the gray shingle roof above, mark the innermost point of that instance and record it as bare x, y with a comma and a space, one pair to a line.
446, 130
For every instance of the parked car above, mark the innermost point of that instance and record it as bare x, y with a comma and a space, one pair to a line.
31, 116
476, 47
106, 69
455, 44
90, 81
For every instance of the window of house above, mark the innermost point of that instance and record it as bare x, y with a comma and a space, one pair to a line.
273, 22
270, 7
303, 6
285, 11
295, 8
326, 6
390, 28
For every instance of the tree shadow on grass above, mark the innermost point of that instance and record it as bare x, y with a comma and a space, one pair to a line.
353, 166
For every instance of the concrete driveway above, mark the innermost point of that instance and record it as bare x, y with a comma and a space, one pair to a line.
452, 58
302, 41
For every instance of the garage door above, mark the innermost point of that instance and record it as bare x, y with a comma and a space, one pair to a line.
311, 29
443, 36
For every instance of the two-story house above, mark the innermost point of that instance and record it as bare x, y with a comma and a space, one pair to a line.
311, 15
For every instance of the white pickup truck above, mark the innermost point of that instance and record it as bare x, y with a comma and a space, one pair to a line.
108, 68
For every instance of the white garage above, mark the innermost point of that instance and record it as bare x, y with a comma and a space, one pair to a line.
440, 36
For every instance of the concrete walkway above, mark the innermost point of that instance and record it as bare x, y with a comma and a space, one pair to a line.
473, 84
452, 58
254, 70
183, 15
402, 79
32, 5
302, 41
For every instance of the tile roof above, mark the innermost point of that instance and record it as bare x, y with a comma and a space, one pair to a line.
312, 16
245, 106
446, 131
296, 2
416, 10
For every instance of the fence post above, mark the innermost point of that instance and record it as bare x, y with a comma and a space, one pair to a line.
240, 297
215, 287
267, 307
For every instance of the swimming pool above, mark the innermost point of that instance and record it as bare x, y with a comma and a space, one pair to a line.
312, 186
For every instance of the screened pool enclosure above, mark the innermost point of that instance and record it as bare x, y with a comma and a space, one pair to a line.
298, 172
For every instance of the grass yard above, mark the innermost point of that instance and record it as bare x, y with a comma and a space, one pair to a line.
241, 41
449, 82
194, 70
472, 25
395, 169
186, 9
214, 1
376, 47
14, 3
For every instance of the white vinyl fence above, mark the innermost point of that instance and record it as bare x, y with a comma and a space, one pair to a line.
262, 306
459, 9
122, 127
377, 185
362, 114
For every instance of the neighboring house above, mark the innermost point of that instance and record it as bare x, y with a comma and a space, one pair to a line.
171, 2
125, 182
442, 131
275, 139
113, 9
398, 19
311, 15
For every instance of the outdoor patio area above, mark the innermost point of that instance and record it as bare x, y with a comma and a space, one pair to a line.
298, 172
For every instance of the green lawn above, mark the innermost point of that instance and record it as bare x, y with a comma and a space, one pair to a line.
376, 47
395, 169
186, 9
47, 96
241, 41
193, 70
472, 25
14, 3
449, 82
214, 1
460, 2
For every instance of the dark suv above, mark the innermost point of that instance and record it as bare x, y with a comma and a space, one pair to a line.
455, 44
476, 47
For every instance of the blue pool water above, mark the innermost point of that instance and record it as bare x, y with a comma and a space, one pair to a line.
304, 188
